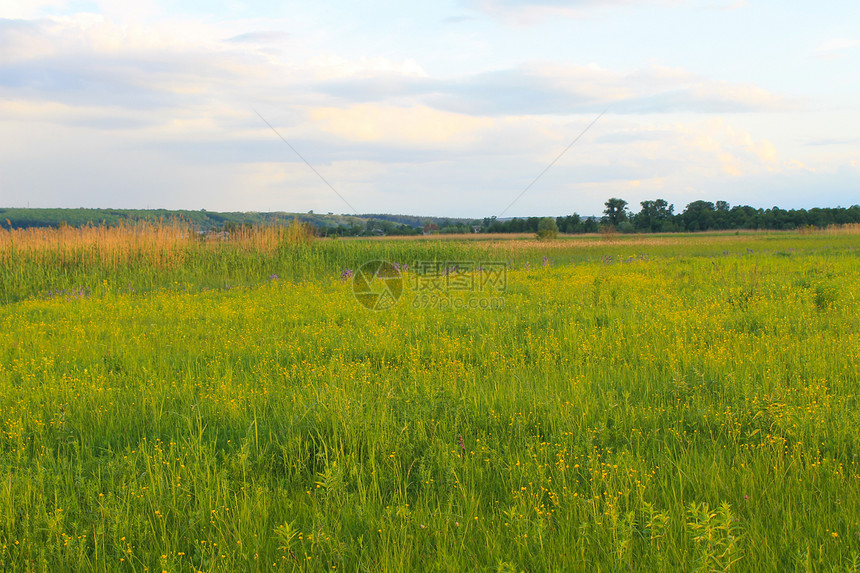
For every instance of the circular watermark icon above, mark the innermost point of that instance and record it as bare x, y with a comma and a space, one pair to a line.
377, 285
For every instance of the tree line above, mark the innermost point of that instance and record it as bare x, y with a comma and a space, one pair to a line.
653, 216
658, 216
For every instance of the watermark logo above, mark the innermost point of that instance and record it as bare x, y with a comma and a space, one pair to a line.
441, 285
459, 285
377, 285
459, 276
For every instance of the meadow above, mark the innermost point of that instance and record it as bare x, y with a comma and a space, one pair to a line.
170, 402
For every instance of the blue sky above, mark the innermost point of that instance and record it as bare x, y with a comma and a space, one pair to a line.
444, 108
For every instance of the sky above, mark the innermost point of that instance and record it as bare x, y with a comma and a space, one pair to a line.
448, 108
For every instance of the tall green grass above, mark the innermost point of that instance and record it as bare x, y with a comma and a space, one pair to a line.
660, 404
144, 258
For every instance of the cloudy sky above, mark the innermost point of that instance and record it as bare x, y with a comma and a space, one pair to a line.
450, 107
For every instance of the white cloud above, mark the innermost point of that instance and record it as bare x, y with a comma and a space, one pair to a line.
132, 110
28, 9
730, 6
530, 12
835, 48
416, 125
327, 67
732, 151
261, 37
540, 87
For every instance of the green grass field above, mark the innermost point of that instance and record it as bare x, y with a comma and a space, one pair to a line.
653, 403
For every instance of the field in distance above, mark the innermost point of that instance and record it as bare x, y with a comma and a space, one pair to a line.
645, 403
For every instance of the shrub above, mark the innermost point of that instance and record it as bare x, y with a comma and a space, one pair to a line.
547, 229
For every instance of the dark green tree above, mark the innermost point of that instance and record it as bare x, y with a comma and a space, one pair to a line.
570, 224
590, 225
615, 212
654, 216
699, 216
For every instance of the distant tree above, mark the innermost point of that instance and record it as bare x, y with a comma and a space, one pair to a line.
547, 229
743, 217
626, 227
722, 215
653, 216
615, 212
570, 224
699, 216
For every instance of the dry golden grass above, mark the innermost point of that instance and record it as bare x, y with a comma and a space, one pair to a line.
165, 245
108, 245
848, 229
